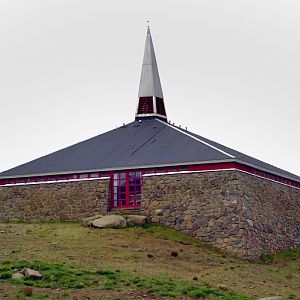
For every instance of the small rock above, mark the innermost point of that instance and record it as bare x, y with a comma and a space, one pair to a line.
17, 275
2, 231
32, 274
195, 278
158, 212
110, 221
250, 222
222, 286
149, 255
137, 220
174, 253
272, 298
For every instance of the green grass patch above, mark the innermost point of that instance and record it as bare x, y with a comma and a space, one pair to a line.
66, 277
289, 254
26, 292
55, 275
266, 258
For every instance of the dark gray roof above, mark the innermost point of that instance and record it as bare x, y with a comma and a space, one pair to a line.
148, 143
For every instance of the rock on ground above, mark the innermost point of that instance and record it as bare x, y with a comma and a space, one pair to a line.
137, 220
32, 273
110, 221
17, 275
88, 221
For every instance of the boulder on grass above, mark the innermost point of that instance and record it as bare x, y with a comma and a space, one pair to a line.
17, 275
110, 221
88, 221
137, 220
33, 274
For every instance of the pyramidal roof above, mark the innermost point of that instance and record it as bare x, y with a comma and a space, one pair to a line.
148, 142
141, 144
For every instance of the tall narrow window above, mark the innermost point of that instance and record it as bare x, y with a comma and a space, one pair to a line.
127, 189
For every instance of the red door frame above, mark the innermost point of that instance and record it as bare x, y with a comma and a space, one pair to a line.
120, 197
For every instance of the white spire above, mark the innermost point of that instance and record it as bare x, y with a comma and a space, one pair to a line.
150, 82
150, 95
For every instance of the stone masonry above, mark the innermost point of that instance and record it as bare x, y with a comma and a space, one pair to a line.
234, 211
54, 201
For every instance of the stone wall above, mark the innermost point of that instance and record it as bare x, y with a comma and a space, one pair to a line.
54, 201
234, 211
270, 213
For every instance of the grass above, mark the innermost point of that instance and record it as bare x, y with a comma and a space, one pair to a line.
291, 254
26, 293
135, 263
68, 277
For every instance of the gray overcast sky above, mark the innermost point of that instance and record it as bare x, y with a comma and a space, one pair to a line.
230, 71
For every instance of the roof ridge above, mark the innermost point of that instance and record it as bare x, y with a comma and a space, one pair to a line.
197, 139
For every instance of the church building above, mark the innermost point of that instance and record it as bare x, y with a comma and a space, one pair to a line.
175, 177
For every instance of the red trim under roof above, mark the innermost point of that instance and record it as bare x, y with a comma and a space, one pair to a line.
159, 170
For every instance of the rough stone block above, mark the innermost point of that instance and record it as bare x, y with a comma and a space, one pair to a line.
110, 221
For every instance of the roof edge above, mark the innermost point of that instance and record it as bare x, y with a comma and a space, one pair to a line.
118, 168
267, 171
198, 139
156, 166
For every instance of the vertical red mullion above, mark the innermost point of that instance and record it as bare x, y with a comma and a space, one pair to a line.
112, 198
140, 188
127, 189
119, 192
133, 187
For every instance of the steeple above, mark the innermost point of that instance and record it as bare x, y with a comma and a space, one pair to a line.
151, 99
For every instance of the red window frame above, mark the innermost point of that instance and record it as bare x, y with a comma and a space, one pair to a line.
126, 189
